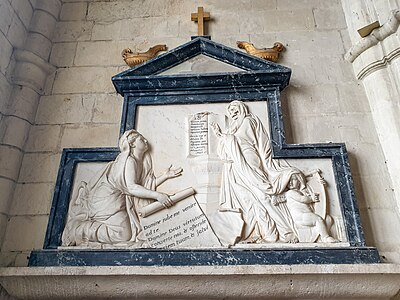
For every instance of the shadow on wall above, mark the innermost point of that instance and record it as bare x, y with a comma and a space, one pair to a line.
286, 115
362, 204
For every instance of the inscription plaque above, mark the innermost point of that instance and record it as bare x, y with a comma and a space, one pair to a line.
198, 134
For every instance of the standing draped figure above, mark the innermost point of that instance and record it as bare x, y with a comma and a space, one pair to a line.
253, 181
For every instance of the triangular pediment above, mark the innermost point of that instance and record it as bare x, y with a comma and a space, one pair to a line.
201, 64
205, 60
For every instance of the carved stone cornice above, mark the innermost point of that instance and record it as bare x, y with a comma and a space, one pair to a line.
27, 56
376, 50
31, 70
377, 64
375, 37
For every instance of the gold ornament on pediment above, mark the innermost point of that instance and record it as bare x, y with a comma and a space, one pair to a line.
271, 54
135, 58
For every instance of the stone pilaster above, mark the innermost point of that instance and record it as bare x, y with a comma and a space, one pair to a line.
376, 63
29, 77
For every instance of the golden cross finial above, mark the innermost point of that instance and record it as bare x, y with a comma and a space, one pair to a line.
200, 17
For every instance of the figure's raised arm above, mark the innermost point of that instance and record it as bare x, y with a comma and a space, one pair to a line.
168, 174
216, 129
299, 197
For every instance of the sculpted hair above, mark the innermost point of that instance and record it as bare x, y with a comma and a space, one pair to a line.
243, 113
239, 104
300, 177
126, 140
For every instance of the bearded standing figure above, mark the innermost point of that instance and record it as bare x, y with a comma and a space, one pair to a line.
252, 179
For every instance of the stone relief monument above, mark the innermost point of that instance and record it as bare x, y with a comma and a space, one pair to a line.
262, 200
203, 175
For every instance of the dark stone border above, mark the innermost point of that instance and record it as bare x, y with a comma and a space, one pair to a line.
154, 257
63, 189
260, 81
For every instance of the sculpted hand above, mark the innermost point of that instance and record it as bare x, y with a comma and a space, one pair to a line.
217, 130
321, 179
316, 197
165, 200
168, 173
172, 173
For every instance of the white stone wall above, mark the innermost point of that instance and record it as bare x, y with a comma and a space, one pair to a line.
79, 106
15, 17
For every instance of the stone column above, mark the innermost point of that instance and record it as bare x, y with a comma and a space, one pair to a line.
376, 62
29, 77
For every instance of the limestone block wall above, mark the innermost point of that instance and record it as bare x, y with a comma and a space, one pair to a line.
79, 107
15, 17
28, 74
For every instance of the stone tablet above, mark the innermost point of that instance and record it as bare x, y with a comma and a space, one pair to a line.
198, 135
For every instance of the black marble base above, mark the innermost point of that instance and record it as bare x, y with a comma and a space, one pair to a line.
156, 257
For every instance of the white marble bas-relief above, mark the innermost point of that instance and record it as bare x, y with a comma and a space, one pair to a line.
300, 200
105, 209
273, 197
241, 196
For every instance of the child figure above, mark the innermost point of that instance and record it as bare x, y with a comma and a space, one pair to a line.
299, 204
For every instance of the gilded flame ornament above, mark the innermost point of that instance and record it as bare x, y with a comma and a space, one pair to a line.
133, 59
271, 54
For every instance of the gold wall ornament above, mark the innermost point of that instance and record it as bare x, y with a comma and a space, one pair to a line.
132, 59
271, 54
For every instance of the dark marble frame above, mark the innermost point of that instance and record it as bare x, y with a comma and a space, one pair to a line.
260, 80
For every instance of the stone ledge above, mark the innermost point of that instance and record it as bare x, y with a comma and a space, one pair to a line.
372, 281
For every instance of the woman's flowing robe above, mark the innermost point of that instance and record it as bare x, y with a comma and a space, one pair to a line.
105, 211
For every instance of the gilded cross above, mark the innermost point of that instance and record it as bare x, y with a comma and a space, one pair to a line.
200, 17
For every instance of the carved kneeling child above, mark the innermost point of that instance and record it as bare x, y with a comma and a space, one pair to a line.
299, 204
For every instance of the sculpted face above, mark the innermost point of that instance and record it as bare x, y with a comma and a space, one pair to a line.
294, 182
234, 112
141, 144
